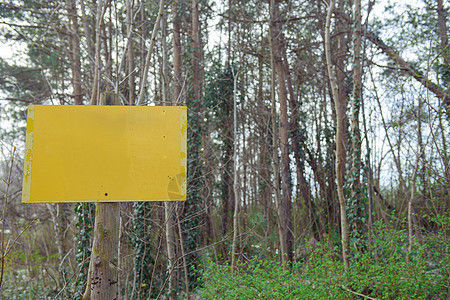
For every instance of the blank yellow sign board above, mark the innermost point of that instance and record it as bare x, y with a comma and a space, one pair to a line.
105, 154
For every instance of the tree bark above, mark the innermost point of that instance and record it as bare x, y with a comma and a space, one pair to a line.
342, 49
104, 258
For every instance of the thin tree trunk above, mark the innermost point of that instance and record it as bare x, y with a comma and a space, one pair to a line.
87, 33
275, 162
341, 78
276, 172
107, 40
356, 225
177, 65
443, 33
297, 136
143, 82
170, 244
54, 211
130, 55
391, 145
165, 63
143, 33
235, 174
410, 213
369, 171
95, 95
168, 206
74, 52
177, 100
285, 203
183, 254
340, 147
196, 47
264, 157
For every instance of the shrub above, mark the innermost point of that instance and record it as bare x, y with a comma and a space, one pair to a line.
379, 272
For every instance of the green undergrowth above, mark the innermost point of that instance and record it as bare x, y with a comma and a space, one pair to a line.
381, 271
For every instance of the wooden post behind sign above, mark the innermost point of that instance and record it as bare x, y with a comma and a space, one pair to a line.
103, 268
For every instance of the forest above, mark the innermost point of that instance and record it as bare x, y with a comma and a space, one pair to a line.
317, 147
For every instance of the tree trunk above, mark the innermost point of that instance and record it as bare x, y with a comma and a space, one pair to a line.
196, 48
170, 245
356, 205
227, 190
142, 30
276, 164
143, 82
168, 206
264, 181
103, 271
409, 211
340, 146
74, 52
94, 101
103, 268
183, 255
276, 169
285, 201
443, 33
298, 135
130, 56
177, 100
235, 174
95, 95
177, 65
87, 35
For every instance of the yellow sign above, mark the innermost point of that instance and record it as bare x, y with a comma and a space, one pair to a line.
105, 154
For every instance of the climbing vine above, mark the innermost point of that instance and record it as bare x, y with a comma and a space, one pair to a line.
84, 213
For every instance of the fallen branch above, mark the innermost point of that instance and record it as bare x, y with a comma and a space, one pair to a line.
358, 294
416, 74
